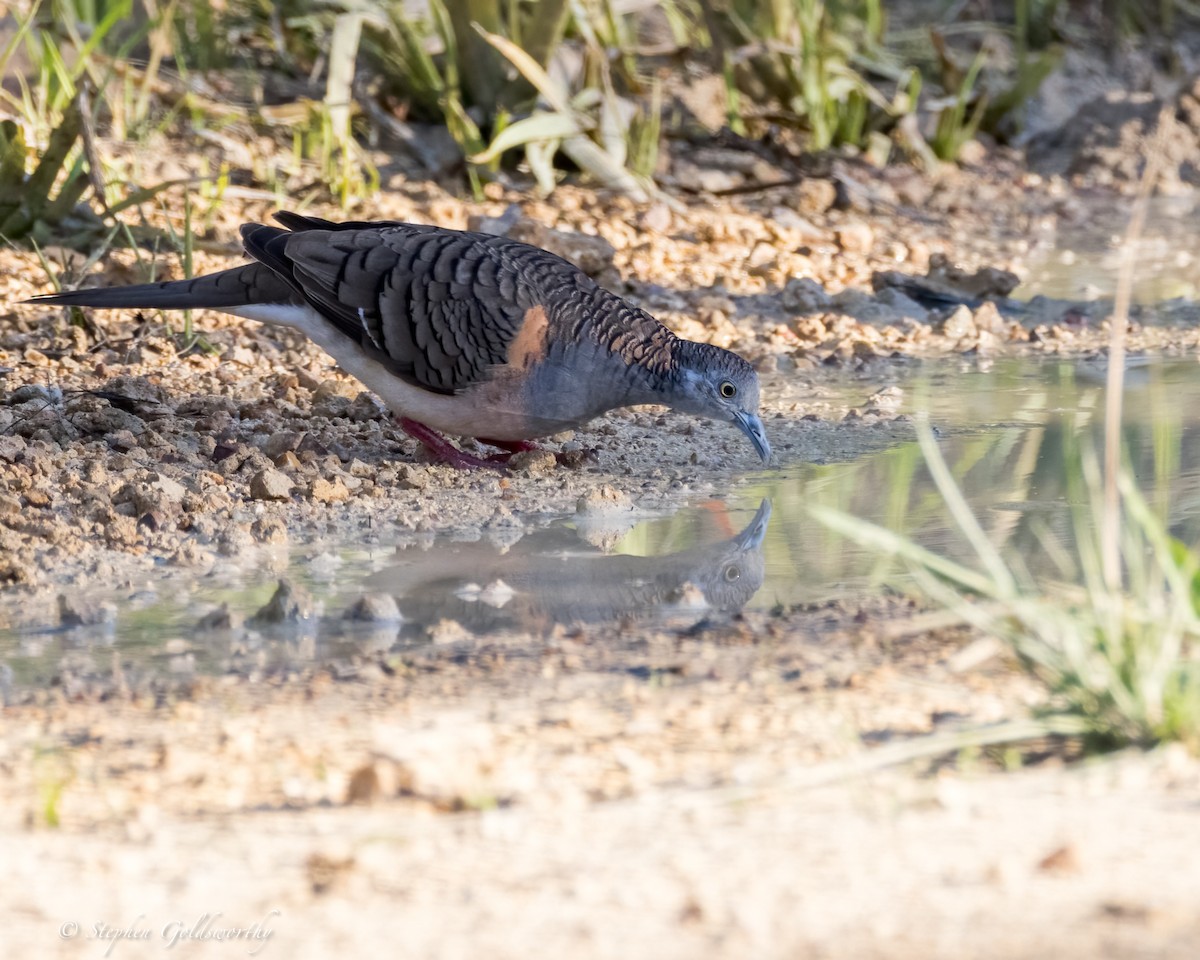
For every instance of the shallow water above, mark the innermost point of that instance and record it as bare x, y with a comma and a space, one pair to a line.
1011, 434
1007, 430
1080, 259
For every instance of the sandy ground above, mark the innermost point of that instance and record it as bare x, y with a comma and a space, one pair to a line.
866, 870
613, 791
527, 798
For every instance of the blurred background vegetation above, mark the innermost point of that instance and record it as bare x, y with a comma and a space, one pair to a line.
310, 99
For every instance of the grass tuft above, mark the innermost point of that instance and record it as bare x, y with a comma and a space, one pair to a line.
1121, 658
1115, 634
484, 69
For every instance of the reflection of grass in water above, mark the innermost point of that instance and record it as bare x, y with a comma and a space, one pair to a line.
1122, 658
655, 538
892, 486
1015, 476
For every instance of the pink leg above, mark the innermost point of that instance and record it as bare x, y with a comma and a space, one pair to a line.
444, 450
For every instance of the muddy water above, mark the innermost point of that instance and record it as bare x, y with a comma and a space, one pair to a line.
1007, 431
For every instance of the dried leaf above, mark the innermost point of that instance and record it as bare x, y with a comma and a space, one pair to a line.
530, 70
540, 156
600, 165
540, 127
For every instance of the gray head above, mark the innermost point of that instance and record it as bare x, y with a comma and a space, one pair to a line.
731, 572
716, 383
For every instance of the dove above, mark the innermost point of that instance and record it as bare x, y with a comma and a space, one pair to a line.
460, 333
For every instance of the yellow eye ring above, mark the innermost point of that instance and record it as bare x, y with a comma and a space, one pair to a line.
728, 390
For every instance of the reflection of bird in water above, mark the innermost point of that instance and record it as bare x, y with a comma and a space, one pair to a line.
550, 577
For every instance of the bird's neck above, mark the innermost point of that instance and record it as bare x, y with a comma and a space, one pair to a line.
651, 373
641, 352
619, 356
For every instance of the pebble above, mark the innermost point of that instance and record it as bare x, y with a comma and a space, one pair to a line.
603, 500
805, 295
123, 441
902, 305
35, 393
11, 448
270, 485
172, 490
972, 154
593, 255
269, 530
409, 477
284, 441
656, 218
987, 344
448, 631
366, 406
705, 180
289, 604
855, 237
987, 317
813, 195
960, 325
762, 255
533, 463
37, 498
235, 541
334, 387
886, 401
495, 226
332, 407
374, 608
76, 611
326, 491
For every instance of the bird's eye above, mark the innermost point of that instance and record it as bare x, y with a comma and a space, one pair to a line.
728, 390
732, 574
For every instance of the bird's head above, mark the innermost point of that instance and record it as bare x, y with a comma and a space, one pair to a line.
716, 383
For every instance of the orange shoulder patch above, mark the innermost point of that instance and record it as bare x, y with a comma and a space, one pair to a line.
529, 345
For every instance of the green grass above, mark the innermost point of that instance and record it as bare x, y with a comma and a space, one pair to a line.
54, 772
1114, 634
1121, 658
487, 70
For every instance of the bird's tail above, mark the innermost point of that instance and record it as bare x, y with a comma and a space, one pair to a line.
241, 286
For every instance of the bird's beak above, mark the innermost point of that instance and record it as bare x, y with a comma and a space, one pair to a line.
756, 530
752, 427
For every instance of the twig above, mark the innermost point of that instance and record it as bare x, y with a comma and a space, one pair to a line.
87, 128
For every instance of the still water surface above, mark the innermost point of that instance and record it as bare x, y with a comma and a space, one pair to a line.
1006, 430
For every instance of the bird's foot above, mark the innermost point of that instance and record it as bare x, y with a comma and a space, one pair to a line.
564, 458
445, 451
512, 446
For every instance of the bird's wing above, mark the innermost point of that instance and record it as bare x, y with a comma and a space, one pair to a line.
442, 309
